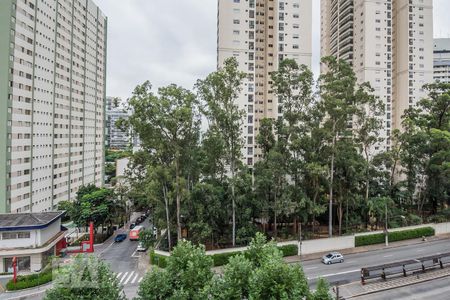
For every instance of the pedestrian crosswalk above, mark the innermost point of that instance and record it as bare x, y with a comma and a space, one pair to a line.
129, 278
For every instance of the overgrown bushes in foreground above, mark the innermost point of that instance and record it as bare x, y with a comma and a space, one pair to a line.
258, 273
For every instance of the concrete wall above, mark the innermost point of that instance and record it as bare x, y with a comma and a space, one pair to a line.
49, 232
442, 228
121, 166
331, 244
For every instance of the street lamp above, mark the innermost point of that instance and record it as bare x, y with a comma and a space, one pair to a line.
386, 236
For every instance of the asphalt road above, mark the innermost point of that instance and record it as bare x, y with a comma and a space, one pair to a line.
349, 270
127, 264
123, 259
438, 289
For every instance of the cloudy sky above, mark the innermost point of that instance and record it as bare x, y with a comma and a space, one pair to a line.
174, 41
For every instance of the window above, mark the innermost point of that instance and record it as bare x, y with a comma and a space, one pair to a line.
15, 235
236, 21
23, 264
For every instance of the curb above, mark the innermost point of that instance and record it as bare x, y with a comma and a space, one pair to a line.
30, 288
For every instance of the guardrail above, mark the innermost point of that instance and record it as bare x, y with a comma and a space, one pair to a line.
406, 267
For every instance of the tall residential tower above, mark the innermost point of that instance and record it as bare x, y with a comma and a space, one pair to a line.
52, 93
261, 33
389, 43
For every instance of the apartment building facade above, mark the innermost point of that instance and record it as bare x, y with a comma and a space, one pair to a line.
259, 34
389, 44
52, 94
115, 137
441, 60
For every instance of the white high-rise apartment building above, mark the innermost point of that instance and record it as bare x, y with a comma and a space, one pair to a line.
52, 92
115, 137
261, 33
442, 60
389, 43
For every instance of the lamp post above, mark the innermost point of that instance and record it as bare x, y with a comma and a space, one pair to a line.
386, 237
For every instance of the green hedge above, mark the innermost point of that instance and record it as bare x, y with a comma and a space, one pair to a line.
29, 281
158, 260
410, 234
379, 238
289, 250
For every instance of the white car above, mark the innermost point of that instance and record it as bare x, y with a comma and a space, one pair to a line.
332, 258
141, 247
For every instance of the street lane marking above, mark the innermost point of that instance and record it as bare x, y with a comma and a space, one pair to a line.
134, 254
124, 275
420, 250
134, 279
140, 279
129, 277
311, 268
388, 255
118, 275
334, 274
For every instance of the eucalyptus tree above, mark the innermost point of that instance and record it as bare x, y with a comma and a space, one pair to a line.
343, 100
219, 92
167, 122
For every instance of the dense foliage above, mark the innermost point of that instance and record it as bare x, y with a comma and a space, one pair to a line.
319, 168
260, 273
221, 259
99, 205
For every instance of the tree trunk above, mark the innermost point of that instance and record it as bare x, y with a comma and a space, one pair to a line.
178, 196
316, 193
275, 228
340, 217
233, 204
367, 175
330, 205
166, 202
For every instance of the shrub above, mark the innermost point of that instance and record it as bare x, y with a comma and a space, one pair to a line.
158, 260
28, 281
378, 238
370, 239
410, 234
222, 258
289, 250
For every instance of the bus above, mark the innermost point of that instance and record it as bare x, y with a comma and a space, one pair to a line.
134, 233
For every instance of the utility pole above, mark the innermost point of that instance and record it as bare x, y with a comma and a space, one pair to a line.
386, 239
299, 250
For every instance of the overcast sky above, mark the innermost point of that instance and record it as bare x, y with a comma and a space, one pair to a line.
174, 41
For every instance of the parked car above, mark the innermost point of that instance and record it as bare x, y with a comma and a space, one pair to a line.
332, 258
132, 225
141, 247
120, 237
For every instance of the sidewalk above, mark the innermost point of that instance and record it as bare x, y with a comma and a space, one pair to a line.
314, 256
356, 289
